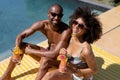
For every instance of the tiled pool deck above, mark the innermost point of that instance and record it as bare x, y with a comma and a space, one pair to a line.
110, 41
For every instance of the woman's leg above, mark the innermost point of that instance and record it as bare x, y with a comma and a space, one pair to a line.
56, 75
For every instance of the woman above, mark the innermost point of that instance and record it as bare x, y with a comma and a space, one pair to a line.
81, 64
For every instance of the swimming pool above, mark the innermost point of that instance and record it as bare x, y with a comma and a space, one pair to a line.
17, 15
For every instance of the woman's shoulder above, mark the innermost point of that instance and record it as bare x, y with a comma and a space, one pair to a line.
86, 45
86, 48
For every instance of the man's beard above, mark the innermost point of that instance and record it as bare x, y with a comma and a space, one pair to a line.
55, 24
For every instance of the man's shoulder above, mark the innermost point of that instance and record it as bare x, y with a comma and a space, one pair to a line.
64, 24
40, 24
43, 21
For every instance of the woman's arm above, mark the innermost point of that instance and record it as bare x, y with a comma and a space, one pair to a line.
88, 56
90, 59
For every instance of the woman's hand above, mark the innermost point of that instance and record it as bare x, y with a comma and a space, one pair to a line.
71, 68
63, 60
63, 51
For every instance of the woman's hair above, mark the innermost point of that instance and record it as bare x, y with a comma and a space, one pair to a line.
94, 30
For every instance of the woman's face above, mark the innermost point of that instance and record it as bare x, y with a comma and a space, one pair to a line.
78, 27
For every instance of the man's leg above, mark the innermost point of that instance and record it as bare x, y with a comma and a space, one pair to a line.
10, 68
12, 63
45, 64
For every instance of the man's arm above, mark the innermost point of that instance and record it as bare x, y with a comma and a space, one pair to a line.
63, 43
35, 27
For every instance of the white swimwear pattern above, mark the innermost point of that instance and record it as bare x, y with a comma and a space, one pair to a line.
80, 78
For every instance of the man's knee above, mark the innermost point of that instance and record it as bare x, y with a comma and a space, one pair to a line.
49, 75
48, 63
44, 62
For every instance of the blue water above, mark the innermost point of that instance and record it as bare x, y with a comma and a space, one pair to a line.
17, 15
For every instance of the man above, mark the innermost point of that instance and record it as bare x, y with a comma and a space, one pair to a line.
57, 33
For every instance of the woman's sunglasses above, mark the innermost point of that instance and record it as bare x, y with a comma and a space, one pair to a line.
82, 26
54, 14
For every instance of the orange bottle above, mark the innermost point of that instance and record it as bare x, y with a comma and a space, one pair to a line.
63, 62
16, 53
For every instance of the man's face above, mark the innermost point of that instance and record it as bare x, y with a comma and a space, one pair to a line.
55, 15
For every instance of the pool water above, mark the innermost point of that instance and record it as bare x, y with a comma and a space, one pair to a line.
17, 15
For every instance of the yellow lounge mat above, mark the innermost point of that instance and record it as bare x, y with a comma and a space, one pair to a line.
109, 66
27, 70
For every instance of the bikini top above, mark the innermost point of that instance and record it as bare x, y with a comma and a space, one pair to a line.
77, 61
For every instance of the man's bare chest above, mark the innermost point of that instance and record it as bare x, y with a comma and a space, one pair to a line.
54, 37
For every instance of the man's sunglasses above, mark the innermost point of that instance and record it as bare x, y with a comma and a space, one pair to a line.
82, 26
54, 14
